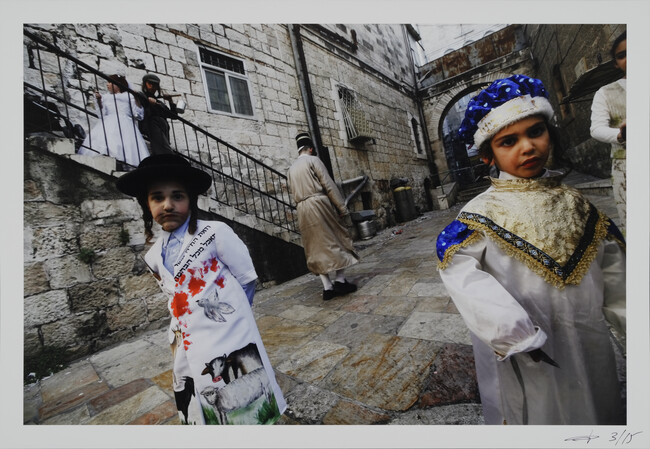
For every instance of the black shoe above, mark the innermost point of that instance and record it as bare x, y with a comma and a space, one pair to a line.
343, 288
329, 294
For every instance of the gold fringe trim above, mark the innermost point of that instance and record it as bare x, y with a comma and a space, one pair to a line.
453, 249
600, 232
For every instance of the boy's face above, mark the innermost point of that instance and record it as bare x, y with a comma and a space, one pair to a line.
620, 56
522, 148
150, 87
169, 204
113, 88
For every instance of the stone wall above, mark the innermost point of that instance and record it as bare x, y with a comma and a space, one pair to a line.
85, 304
82, 305
378, 69
458, 73
556, 54
386, 97
574, 49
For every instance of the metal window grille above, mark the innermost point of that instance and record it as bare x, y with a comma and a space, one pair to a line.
221, 61
356, 124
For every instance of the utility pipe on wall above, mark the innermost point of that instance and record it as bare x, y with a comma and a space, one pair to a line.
307, 97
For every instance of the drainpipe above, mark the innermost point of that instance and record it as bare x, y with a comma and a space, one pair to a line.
307, 97
425, 131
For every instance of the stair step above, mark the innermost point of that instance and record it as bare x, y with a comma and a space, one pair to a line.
106, 164
472, 190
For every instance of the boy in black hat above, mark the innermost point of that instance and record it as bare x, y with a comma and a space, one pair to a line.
156, 113
328, 247
209, 277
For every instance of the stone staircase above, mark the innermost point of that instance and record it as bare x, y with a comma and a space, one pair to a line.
589, 185
64, 147
586, 184
470, 191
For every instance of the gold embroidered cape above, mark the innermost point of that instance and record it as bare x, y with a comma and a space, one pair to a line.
548, 226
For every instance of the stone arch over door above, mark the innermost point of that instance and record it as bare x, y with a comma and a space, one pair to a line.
437, 106
443, 102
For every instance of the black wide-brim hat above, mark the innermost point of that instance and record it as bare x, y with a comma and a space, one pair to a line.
303, 139
163, 167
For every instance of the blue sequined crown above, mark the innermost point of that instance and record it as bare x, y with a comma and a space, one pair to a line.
499, 92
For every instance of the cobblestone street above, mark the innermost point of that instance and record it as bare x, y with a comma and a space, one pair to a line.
394, 352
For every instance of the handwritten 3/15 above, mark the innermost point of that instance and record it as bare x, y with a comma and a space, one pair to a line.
617, 438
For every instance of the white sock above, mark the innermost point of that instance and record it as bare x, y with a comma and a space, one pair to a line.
327, 284
340, 275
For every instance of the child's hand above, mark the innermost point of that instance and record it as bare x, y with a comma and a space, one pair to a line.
621, 133
540, 356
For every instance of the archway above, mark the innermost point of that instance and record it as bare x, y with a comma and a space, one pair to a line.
441, 108
462, 161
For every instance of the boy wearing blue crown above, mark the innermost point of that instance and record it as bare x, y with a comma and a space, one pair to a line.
536, 271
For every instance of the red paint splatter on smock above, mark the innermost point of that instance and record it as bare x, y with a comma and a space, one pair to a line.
180, 306
214, 265
195, 285
186, 343
221, 282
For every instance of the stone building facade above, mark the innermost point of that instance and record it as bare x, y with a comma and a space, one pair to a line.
562, 54
369, 65
85, 284
256, 86
82, 305
557, 54
379, 73
445, 81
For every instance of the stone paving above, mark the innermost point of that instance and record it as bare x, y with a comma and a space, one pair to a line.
394, 352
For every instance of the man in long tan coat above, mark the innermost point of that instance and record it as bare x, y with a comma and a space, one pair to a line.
321, 211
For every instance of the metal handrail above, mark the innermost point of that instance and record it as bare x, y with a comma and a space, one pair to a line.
453, 173
239, 180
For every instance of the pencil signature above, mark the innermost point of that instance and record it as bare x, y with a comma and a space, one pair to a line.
586, 438
622, 438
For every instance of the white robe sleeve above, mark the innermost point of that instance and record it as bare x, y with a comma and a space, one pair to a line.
137, 111
489, 311
600, 129
234, 253
613, 268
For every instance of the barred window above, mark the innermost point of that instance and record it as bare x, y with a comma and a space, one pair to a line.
226, 83
354, 118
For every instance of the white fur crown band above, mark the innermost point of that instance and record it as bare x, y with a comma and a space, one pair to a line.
509, 113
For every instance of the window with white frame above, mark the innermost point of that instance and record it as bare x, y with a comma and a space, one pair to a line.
226, 83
